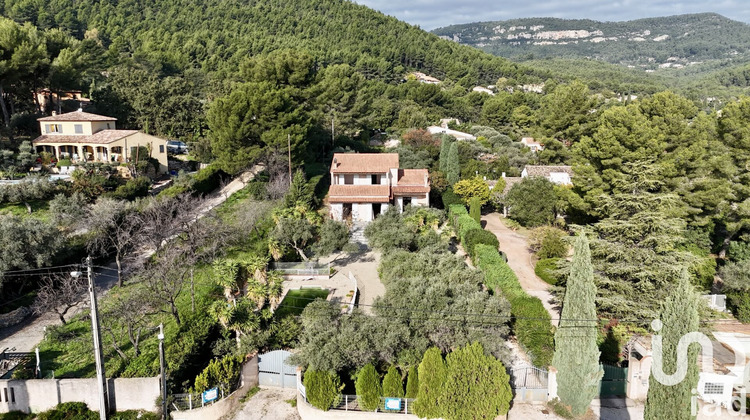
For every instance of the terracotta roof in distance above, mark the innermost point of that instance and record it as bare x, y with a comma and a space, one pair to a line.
344, 163
77, 116
101, 137
412, 177
539, 170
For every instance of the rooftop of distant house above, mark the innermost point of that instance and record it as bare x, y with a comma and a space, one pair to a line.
530, 141
77, 116
100, 137
543, 170
352, 163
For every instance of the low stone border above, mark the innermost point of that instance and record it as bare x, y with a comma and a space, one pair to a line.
14, 317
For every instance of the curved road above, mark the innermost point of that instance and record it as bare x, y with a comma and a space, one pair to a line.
516, 248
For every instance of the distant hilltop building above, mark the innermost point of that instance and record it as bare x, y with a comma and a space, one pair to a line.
423, 78
482, 89
85, 137
532, 144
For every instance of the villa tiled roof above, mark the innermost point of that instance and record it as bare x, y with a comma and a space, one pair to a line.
545, 171
412, 177
364, 163
77, 116
410, 189
359, 194
102, 137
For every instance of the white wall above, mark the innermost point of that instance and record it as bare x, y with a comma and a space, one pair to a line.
362, 212
36, 395
337, 211
421, 201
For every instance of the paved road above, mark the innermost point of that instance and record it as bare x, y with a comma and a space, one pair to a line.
270, 404
516, 248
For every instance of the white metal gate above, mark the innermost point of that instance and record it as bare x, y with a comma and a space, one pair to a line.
529, 384
274, 371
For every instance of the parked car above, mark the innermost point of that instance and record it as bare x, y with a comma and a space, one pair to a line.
176, 147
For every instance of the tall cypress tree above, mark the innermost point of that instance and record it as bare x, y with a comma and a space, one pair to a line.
453, 167
576, 353
432, 375
368, 388
679, 316
412, 383
445, 147
393, 384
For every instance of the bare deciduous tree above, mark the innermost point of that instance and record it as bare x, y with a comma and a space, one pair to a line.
59, 294
127, 315
116, 227
166, 276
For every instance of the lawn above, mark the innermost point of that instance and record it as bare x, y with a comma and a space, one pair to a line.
39, 209
296, 300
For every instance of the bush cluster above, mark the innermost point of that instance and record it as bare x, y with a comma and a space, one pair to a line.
546, 270
531, 322
450, 198
208, 179
475, 237
322, 388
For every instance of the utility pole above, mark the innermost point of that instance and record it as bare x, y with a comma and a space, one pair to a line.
165, 415
289, 149
333, 129
98, 358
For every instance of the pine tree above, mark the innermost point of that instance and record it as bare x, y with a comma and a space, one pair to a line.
453, 167
412, 383
368, 388
576, 352
445, 147
393, 384
475, 209
299, 193
679, 316
432, 376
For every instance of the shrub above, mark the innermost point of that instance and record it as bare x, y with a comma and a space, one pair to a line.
393, 384
64, 162
455, 210
531, 321
368, 388
132, 189
332, 236
208, 179
475, 209
475, 237
412, 383
258, 190
432, 376
222, 373
473, 188
546, 270
69, 411
738, 251
738, 301
553, 245
322, 388
465, 224
450, 198
532, 201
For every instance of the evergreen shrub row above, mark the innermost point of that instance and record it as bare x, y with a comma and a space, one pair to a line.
531, 322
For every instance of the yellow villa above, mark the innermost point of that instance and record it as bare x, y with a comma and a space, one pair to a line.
85, 137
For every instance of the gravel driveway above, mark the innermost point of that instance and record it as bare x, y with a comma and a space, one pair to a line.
270, 404
516, 248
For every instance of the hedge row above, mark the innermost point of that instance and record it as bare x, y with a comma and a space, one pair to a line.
531, 322
475, 237
464, 225
545, 269
454, 211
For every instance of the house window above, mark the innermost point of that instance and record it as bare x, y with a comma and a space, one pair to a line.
161, 148
108, 126
349, 179
54, 128
79, 128
375, 179
12, 396
713, 388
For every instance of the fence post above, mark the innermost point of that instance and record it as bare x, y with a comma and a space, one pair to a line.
551, 383
190, 401
406, 406
346, 403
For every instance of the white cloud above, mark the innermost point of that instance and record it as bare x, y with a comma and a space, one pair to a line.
431, 14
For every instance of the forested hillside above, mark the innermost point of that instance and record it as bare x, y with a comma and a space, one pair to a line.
664, 42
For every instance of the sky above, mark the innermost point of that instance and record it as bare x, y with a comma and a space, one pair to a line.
431, 14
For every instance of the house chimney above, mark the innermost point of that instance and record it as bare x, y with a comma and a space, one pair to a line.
54, 113
503, 174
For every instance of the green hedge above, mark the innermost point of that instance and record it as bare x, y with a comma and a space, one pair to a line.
531, 322
475, 237
454, 211
450, 198
465, 223
545, 269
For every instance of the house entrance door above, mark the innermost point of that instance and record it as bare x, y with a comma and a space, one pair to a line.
347, 213
376, 210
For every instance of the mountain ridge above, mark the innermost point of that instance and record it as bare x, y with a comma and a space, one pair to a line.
650, 43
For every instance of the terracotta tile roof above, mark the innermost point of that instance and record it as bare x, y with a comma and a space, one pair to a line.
412, 177
410, 189
359, 194
538, 170
77, 116
348, 163
510, 181
102, 137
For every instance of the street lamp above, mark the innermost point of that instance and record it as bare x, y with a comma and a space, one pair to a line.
164, 414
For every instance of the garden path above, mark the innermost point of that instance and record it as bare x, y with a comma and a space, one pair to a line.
516, 248
270, 404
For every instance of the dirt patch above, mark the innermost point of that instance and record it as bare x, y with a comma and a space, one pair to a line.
270, 404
